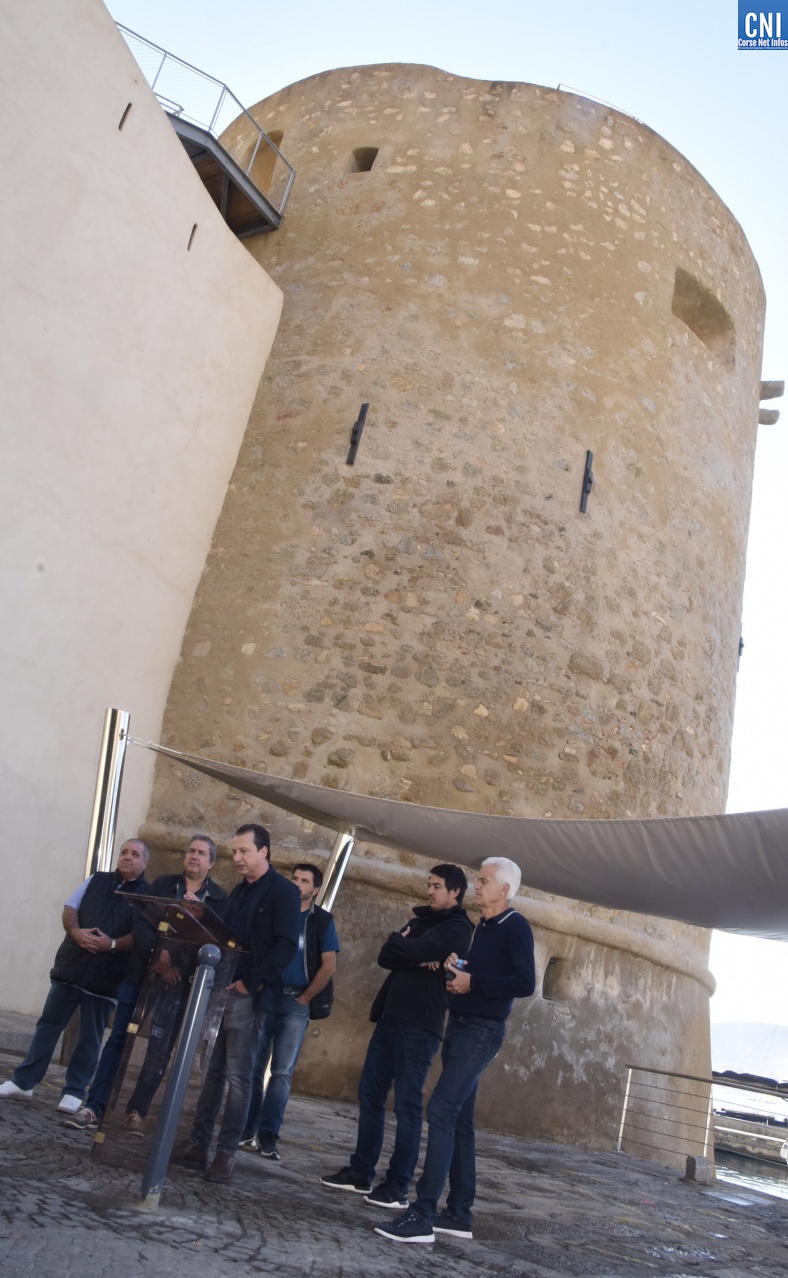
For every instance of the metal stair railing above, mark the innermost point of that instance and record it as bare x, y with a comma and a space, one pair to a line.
187, 93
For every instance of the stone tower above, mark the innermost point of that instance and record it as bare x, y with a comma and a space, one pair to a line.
510, 276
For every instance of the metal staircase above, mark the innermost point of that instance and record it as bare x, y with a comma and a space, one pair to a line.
245, 174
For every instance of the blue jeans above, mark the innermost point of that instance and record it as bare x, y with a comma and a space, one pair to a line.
400, 1053
232, 1062
470, 1044
60, 1004
281, 1036
113, 1049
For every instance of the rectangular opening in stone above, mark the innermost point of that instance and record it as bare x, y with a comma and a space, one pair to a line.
362, 159
705, 314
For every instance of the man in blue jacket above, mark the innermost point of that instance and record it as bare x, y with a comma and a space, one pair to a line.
409, 1011
264, 912
89, 967
500, 968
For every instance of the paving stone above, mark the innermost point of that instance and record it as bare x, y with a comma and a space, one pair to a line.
543, 1211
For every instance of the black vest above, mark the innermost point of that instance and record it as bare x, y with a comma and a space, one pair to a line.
100, 907
315, 929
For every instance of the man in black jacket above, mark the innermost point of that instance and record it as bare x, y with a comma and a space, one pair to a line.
410, 1010
89, 967
307, 978
194, 883
263, 911
499, 969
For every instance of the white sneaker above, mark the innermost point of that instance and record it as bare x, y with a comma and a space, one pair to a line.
68, 1104
10, 1091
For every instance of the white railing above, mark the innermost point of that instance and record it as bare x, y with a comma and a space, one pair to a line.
667, 1116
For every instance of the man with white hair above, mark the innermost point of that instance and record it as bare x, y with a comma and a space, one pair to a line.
499, 968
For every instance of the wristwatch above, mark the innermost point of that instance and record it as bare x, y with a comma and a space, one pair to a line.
112, 944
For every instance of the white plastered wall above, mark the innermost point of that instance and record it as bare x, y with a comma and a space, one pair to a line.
128, 366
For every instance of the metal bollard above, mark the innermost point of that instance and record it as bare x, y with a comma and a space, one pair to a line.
172, 1104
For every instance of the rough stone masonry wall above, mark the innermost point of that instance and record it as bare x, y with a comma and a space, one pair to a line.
521, 275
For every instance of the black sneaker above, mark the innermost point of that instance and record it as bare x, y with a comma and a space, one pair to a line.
268, 1147
347, 1179
250, 1144
407, 1228
445, 1223
385, 1195
84, 1120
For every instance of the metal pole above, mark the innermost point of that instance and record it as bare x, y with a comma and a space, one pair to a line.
345, 842
624, 1110
709, 1116
289, 184
102, 825
261, 135
172, 1104
219, 105
161, 64
105, 800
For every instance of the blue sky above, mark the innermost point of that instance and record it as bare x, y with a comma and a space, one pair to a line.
678, 69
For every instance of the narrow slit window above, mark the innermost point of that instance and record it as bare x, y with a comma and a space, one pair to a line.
191, 237
549, 979
124, 117
362, 159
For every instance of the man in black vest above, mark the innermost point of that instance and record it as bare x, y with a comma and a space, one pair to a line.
89, 967
263, 912
194, 883
410, 1011
307, 980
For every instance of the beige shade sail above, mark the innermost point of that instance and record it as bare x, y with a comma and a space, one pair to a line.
727, 872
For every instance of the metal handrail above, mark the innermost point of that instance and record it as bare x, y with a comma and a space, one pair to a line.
650, 1106
222, 101
721, 1080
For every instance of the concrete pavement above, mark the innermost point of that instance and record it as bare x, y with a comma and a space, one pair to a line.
542, 1211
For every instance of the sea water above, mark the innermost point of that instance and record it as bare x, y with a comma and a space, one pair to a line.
750, 1173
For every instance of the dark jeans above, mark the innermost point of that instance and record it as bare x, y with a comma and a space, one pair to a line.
470, 1044
402, 1054
281, 1037
168, 1007
61, 1002
232, 1062
113, 1048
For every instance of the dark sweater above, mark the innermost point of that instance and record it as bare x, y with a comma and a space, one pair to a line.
501, 967
416, 994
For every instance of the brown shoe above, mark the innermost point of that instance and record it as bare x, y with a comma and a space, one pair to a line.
190, 1155
135, 1123
221, 1169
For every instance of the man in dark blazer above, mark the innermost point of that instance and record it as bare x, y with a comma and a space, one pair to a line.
307, 990
264, 912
